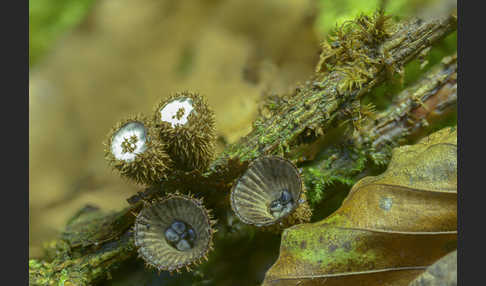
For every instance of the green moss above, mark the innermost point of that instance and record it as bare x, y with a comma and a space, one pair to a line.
334, 13
34, 264
63, 278
341, 167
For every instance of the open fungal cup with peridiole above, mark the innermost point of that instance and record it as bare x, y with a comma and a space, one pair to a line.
186, 123
269, 191
132, 148
174, 232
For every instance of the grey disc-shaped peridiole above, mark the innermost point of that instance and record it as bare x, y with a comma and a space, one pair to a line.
173, 232
267, 192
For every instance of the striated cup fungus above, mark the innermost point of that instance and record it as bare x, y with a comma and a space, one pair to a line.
186, 123
174, 232
131, 149
267, 192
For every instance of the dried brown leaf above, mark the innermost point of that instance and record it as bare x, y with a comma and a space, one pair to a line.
441, 273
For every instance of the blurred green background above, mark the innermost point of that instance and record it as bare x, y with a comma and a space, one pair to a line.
49, 19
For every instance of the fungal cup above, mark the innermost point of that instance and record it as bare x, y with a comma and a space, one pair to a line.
173, 232
267, 192
186, 123
131, 148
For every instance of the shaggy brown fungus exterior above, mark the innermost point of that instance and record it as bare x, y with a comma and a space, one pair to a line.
186, 123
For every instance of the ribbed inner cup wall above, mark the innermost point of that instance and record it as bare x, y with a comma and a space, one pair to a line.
152, 222
261, 184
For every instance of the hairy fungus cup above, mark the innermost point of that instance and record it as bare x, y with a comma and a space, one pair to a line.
174, 232
186, 123
267, 192
132, 149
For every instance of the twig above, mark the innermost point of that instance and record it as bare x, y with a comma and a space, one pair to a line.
427, 103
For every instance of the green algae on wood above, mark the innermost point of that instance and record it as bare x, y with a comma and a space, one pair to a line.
84, 270
92, 227
93, 244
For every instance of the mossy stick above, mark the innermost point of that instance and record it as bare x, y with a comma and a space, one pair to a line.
428, 103
316, 104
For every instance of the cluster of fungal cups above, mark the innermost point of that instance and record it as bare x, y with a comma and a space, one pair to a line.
178, 137
175, 231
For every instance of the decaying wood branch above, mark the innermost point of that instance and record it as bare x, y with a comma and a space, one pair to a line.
85, 256
428, 102
315, 105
